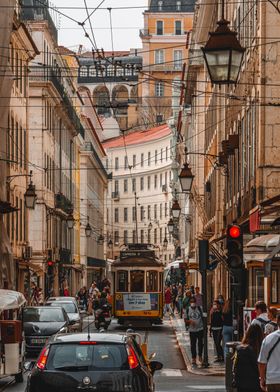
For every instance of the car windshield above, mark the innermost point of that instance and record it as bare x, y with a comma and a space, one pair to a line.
43, 315
75, 357
68, 306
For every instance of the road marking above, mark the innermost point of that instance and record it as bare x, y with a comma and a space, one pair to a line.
206, 387
171, 373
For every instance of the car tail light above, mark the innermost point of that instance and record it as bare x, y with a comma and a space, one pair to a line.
41, 363
89, 343
132, 358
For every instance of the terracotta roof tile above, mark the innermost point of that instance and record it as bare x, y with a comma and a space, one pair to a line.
138, 137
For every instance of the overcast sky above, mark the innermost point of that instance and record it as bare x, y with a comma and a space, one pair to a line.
126, 23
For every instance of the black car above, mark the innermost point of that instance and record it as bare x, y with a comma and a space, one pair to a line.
95, 362
40, 323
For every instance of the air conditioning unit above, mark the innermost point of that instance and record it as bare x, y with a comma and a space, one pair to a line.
115, 196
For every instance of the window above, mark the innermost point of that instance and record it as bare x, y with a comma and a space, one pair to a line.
133, 184
166, 153
134, 160
133, 214
116, 163
137, 281
110, 70
178, 5
116, 215
161, 154
160, 235
125, 214
160, 211
160, 180
149, 236
125, 162
92, 71
83, 71
160, 5
116, 186
142, 236
142, 213
142, 160
155, 211
122, 281
159, 56
149, 159
155, 157
159, 89
152, 281
125, 186
165, 210
149, 182
142, 183
178, 55
155, 236
149, 212
159, 29
134, 237
155, 181
116, 238
178, 27
125, 237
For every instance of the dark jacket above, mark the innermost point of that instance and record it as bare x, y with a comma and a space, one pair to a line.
245, 369
216, 319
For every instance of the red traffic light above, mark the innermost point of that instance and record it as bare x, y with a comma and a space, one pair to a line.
234, 231
50, 263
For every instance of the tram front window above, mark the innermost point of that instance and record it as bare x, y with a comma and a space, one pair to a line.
137, 281
122, 281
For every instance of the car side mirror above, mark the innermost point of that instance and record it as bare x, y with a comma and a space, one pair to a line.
155, 366
29, 365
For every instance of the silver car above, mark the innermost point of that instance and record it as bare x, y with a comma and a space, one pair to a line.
73, 313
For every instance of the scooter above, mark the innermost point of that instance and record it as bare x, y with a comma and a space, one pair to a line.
103, 317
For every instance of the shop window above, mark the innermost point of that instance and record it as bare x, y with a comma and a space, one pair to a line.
122, 281
152, 281
137, 281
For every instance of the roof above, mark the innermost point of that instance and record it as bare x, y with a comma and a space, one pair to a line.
171, 6
138, 137
94, 337
65, 51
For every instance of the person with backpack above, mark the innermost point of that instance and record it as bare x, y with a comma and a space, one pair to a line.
194, 319
272, 325
245, 361
262, 317
269, 361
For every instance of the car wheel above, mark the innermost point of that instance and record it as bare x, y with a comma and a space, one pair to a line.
19, 377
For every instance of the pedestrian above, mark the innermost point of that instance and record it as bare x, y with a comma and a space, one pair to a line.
221, 299
180, 299
174, 297
192, 290
245, 363
227, 318
186, 305
269, 361
261, 313
271, 326
216, 328
194, 319
168, 301
198, 296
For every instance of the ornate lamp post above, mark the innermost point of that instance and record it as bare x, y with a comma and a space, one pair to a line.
186, 178
88, 229
176, 210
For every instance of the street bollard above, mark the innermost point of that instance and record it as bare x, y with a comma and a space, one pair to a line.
231, 347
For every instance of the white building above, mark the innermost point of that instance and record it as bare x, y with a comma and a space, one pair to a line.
139, 198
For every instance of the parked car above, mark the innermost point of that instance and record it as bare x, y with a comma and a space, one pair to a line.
61, 298
40, 323
97, 362
73, 312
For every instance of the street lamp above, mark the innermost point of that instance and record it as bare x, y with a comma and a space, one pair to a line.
30, 196
110, 244
170, 226
100, 240
176, 210
186, 178
165, 243
88, 229
70, 221
223, 54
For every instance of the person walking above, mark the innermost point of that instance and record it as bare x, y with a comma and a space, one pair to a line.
174, 297
198, 296
227, 318
271, 326
262, 317
269, 361
194, 319
216, 327
168, 301
245, 363
186, 305
180, 300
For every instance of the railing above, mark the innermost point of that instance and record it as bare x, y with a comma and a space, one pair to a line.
89, 147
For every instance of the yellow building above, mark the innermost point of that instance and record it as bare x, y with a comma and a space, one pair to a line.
167, 24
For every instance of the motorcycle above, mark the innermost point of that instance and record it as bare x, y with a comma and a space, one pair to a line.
102, 317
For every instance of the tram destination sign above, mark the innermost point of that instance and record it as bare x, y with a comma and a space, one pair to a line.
126, 254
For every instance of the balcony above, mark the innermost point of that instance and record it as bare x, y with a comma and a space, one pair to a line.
116, 196
46, 74
62, 203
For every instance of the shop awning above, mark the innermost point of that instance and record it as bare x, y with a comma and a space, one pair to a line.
265, 247
76, 267
97, 263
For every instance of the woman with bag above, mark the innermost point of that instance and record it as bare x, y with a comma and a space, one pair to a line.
245, 364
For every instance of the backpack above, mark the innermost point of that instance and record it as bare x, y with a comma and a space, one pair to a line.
263, 323
274, 325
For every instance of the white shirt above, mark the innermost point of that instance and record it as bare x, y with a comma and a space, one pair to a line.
273, 365
262, 316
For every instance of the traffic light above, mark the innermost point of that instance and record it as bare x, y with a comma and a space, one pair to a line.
234, 247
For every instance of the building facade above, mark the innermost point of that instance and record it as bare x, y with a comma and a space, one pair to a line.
139, 197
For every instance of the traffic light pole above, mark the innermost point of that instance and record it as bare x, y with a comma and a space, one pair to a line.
205, 362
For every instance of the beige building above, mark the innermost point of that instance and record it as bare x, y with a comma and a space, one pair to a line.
238, 127
139, 197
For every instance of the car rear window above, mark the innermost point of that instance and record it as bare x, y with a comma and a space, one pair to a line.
43, 315
74, 357
68, 306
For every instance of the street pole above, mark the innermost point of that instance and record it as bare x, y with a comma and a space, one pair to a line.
205, 362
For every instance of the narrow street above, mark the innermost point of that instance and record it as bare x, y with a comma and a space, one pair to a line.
172, 378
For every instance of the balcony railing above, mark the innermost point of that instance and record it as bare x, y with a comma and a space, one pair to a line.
47, 74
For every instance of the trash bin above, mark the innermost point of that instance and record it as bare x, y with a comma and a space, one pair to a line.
231, 347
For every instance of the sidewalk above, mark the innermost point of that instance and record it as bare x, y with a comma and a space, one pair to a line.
214, 369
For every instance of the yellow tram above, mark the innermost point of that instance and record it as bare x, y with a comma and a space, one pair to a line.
138, 286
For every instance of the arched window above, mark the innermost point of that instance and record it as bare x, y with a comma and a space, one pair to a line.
119, 71
92, 71
110, 70
83, 71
